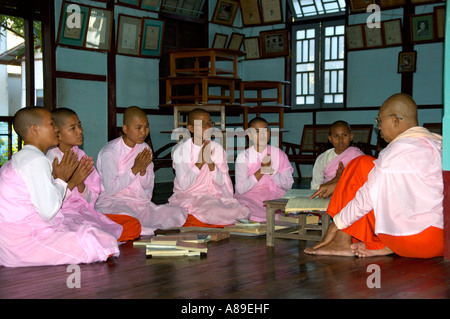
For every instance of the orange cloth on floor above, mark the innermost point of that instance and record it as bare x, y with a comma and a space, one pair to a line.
131, 226
191, 221
426, 244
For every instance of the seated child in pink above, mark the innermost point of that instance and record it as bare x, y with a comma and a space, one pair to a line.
331, 163
202, 183
33, 229
85, 187
263, 171
126, 170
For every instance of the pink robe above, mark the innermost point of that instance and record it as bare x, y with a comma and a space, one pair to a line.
80, 207
251, 192
208, 195
33, 229
125, 193
404, 189
345, 157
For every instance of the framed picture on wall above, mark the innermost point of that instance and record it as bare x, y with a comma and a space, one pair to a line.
220, 40
423, 1
250, 12
374, 38
235, 42
360, 5
72, 27
354, 37
99, 29
392, 32
407, 61
251, 48
225, 12
391, 3
274, 43
151, 5
128, 35
152, 35
439, 16
422, 28
271, 11
130, 3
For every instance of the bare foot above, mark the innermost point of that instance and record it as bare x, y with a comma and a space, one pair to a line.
339, 246
360, 250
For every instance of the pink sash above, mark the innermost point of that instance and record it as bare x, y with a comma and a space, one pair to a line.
345, 157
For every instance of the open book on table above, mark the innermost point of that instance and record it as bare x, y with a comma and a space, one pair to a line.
299, 201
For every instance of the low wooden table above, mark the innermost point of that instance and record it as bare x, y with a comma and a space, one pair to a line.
280, 204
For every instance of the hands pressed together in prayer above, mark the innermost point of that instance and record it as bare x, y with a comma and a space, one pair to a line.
142, 161
204, 157
266, 167
72, 170
326, 189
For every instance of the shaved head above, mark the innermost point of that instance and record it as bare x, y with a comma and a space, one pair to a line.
339, 124
403, 105
257, 120
131, 113
26, 117
195, 115
61, 114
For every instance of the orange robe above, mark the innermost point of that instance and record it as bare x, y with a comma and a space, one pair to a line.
426, 244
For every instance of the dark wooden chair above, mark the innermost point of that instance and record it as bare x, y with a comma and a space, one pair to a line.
434, 127
315, 141
161, 157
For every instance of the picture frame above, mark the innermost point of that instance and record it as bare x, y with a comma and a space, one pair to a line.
423, 1
354, 37
439, 15
274, 43
225, 12
129, 3
151, 5
235, 42
392, 32
190, 8
220, 40
250, 12
271, 11
374, 38
128, 35
391, 3
360, 5
422, 27
72, 36
99, 30
407, 61
152, 35
252, 48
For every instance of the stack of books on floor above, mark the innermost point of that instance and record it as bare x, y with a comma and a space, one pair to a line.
175, 245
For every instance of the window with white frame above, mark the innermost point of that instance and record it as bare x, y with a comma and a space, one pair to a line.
308, 8
318, 64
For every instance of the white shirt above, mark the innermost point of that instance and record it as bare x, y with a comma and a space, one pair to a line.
47, 194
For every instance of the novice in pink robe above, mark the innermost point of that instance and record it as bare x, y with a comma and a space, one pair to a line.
328, 163
252, 189
124, 192
205, 192
80, 206
33, 229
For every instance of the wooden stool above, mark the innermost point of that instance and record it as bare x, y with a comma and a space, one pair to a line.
280, 204
198, 89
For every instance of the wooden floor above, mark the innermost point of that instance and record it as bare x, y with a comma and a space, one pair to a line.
236, 268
